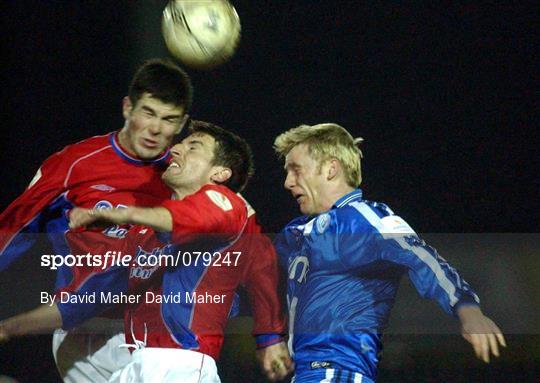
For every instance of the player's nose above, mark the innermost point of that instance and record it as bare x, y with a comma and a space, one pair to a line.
154, 126
177, 150
289, 182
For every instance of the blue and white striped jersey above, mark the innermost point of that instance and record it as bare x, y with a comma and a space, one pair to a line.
344, 268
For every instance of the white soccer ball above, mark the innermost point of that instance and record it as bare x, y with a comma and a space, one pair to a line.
201, 33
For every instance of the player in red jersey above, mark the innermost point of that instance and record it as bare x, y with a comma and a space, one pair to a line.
182, 306
204, 169
118, 169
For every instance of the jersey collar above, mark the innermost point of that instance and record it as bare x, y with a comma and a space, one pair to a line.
300, 224
113, 139
304, 224
348, 198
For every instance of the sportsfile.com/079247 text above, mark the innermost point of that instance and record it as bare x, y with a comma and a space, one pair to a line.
114, 258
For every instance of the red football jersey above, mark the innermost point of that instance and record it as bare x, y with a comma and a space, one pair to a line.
217, 246
95, 172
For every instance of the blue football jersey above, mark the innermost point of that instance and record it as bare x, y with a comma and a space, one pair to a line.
344, 268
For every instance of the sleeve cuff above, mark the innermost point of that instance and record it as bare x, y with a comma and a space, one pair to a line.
465, 301
266, 340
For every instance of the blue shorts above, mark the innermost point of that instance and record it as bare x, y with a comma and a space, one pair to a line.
329, 375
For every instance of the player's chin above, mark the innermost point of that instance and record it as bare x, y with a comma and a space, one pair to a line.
305, 209
147, 154
170, 178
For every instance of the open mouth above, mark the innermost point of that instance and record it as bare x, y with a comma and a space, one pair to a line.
150, 144
173, 165
299, 198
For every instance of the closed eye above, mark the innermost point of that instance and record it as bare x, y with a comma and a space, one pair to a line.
194, 144
148, 111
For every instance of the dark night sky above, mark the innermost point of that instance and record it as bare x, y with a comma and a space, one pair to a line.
443, 96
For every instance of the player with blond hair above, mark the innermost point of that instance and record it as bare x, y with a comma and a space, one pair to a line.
345, 256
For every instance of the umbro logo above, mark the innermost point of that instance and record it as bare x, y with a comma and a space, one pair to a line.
316, 365
102, 187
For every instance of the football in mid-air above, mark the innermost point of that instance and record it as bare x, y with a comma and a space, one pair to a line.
201, 33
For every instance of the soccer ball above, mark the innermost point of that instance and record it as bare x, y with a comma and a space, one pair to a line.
201, 33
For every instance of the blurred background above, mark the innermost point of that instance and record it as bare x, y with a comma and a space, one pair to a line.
443, 94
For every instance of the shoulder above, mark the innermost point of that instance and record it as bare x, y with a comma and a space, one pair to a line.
251, 210
298, 221
361, 214
221, 197
376, 216
365, 209
85, 148
210, 201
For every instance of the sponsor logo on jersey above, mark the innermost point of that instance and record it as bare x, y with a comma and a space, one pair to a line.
115, 231
142, 272
147, 262
394, 224
299, 268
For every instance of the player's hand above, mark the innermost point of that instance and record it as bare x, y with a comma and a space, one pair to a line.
481, 332
80, 217
4, 337
5, 330
275, 361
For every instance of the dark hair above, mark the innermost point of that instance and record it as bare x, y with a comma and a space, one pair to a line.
230, 151
165, 81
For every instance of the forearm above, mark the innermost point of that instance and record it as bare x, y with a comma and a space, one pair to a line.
43, 319
432, 276
158, 218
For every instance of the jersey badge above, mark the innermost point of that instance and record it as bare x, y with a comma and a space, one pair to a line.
323, 221
219, 200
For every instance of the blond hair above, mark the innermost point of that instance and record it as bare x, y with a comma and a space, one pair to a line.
325, 142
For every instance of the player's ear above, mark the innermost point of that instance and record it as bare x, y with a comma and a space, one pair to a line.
220, 174
182, 124
127, 107
333, 168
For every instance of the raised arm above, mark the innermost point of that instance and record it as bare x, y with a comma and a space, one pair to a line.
44, 319
387, 238
434, 278
158, 218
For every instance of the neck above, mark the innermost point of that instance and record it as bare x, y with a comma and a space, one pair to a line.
333, 195
124, 142
181, 192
